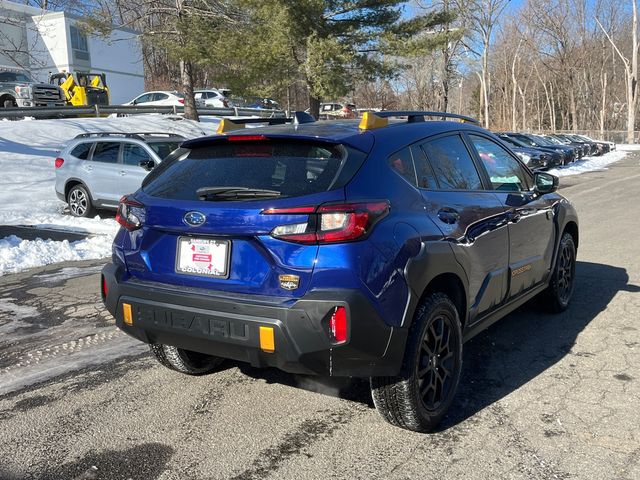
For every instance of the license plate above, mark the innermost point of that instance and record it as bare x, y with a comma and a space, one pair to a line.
203, 256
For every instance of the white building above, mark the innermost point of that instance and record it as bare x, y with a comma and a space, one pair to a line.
43, 42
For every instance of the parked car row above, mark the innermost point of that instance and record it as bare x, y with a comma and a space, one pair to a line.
541, 152
212, 98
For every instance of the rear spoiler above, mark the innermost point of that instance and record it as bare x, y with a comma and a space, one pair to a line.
228, 125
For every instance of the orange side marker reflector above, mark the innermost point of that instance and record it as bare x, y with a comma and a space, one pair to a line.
267, 340
128, 317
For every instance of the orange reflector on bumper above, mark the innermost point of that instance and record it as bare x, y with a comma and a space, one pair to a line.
127, 315
267, 340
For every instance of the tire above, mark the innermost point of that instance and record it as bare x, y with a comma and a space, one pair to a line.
9, 103
184, 361
79, 202
558, 295
400, 400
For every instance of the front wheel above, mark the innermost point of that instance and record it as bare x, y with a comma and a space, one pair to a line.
419, 397
562, 284
185, 361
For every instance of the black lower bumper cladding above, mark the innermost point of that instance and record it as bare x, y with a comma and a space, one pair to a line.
215, 324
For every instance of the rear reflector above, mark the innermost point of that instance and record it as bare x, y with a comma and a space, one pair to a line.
127, 316
105, 288
59, 162
267, 340
338, 325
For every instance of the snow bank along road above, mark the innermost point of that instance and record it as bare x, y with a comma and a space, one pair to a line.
542, 397
27, 197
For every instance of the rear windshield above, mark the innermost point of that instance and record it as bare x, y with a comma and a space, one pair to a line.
289, 168
164, 148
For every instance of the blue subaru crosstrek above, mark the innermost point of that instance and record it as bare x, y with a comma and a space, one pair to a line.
362, 249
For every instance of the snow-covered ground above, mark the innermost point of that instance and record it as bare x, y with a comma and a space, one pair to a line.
27, 197
592, 164
27, 177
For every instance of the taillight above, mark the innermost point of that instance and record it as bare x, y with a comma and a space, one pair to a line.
338, 325
330, 223
181, 100
59, 162
225, 102
130, 213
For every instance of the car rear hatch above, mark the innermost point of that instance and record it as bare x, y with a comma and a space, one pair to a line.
227, 215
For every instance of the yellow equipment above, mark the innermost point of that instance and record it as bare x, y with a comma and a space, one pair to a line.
82, 89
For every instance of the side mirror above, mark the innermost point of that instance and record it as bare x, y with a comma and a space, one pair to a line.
545, 182
147, 164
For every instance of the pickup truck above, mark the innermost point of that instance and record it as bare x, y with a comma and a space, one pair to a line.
18, 90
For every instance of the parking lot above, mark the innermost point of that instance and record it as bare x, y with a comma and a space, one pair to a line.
542, 396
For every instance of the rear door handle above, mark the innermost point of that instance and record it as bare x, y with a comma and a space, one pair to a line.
448, 215
122, 172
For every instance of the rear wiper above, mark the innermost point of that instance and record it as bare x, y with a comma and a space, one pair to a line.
226, 193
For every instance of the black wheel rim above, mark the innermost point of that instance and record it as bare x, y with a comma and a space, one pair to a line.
566, 272
436, 362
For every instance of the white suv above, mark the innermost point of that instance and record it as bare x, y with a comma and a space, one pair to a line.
96, 169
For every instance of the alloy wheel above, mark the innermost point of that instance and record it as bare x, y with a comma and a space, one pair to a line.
566, 271
436, 362
78, 202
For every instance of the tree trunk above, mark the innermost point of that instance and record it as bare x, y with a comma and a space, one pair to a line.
186, 72
314, 106
604, 103
633, 80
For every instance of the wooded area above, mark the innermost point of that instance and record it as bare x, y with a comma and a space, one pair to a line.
535, 65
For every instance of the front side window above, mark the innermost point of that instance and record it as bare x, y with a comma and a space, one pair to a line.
452, 164
106, 152
402, 164
505, 172
134, 154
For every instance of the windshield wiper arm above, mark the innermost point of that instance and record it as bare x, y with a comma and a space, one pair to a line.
212, 193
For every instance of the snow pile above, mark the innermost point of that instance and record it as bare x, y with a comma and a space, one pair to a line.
628, 148
589, 164
17, 254
27, 196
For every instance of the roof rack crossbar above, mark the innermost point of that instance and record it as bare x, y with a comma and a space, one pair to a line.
418, 116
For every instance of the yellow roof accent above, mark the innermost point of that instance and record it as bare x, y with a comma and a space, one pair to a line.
371, 121
227, 125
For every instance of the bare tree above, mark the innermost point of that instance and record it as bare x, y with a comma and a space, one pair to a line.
631, 72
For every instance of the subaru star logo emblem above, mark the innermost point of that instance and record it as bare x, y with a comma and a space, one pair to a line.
194, 219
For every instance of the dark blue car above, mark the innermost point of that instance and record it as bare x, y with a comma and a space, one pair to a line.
371, 249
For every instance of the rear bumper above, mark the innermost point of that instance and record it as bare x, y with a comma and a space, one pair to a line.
211, 323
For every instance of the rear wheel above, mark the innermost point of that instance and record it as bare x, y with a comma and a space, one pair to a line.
419, 397
79, 202
185, 361
560, 290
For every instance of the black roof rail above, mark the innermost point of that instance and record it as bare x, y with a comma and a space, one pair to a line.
139, 136
418, 115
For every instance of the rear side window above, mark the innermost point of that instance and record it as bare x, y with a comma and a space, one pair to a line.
106, 152
82, 151
452, 164
426, 178
288, 168
402, 164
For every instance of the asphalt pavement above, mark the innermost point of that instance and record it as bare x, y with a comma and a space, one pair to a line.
542, 396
